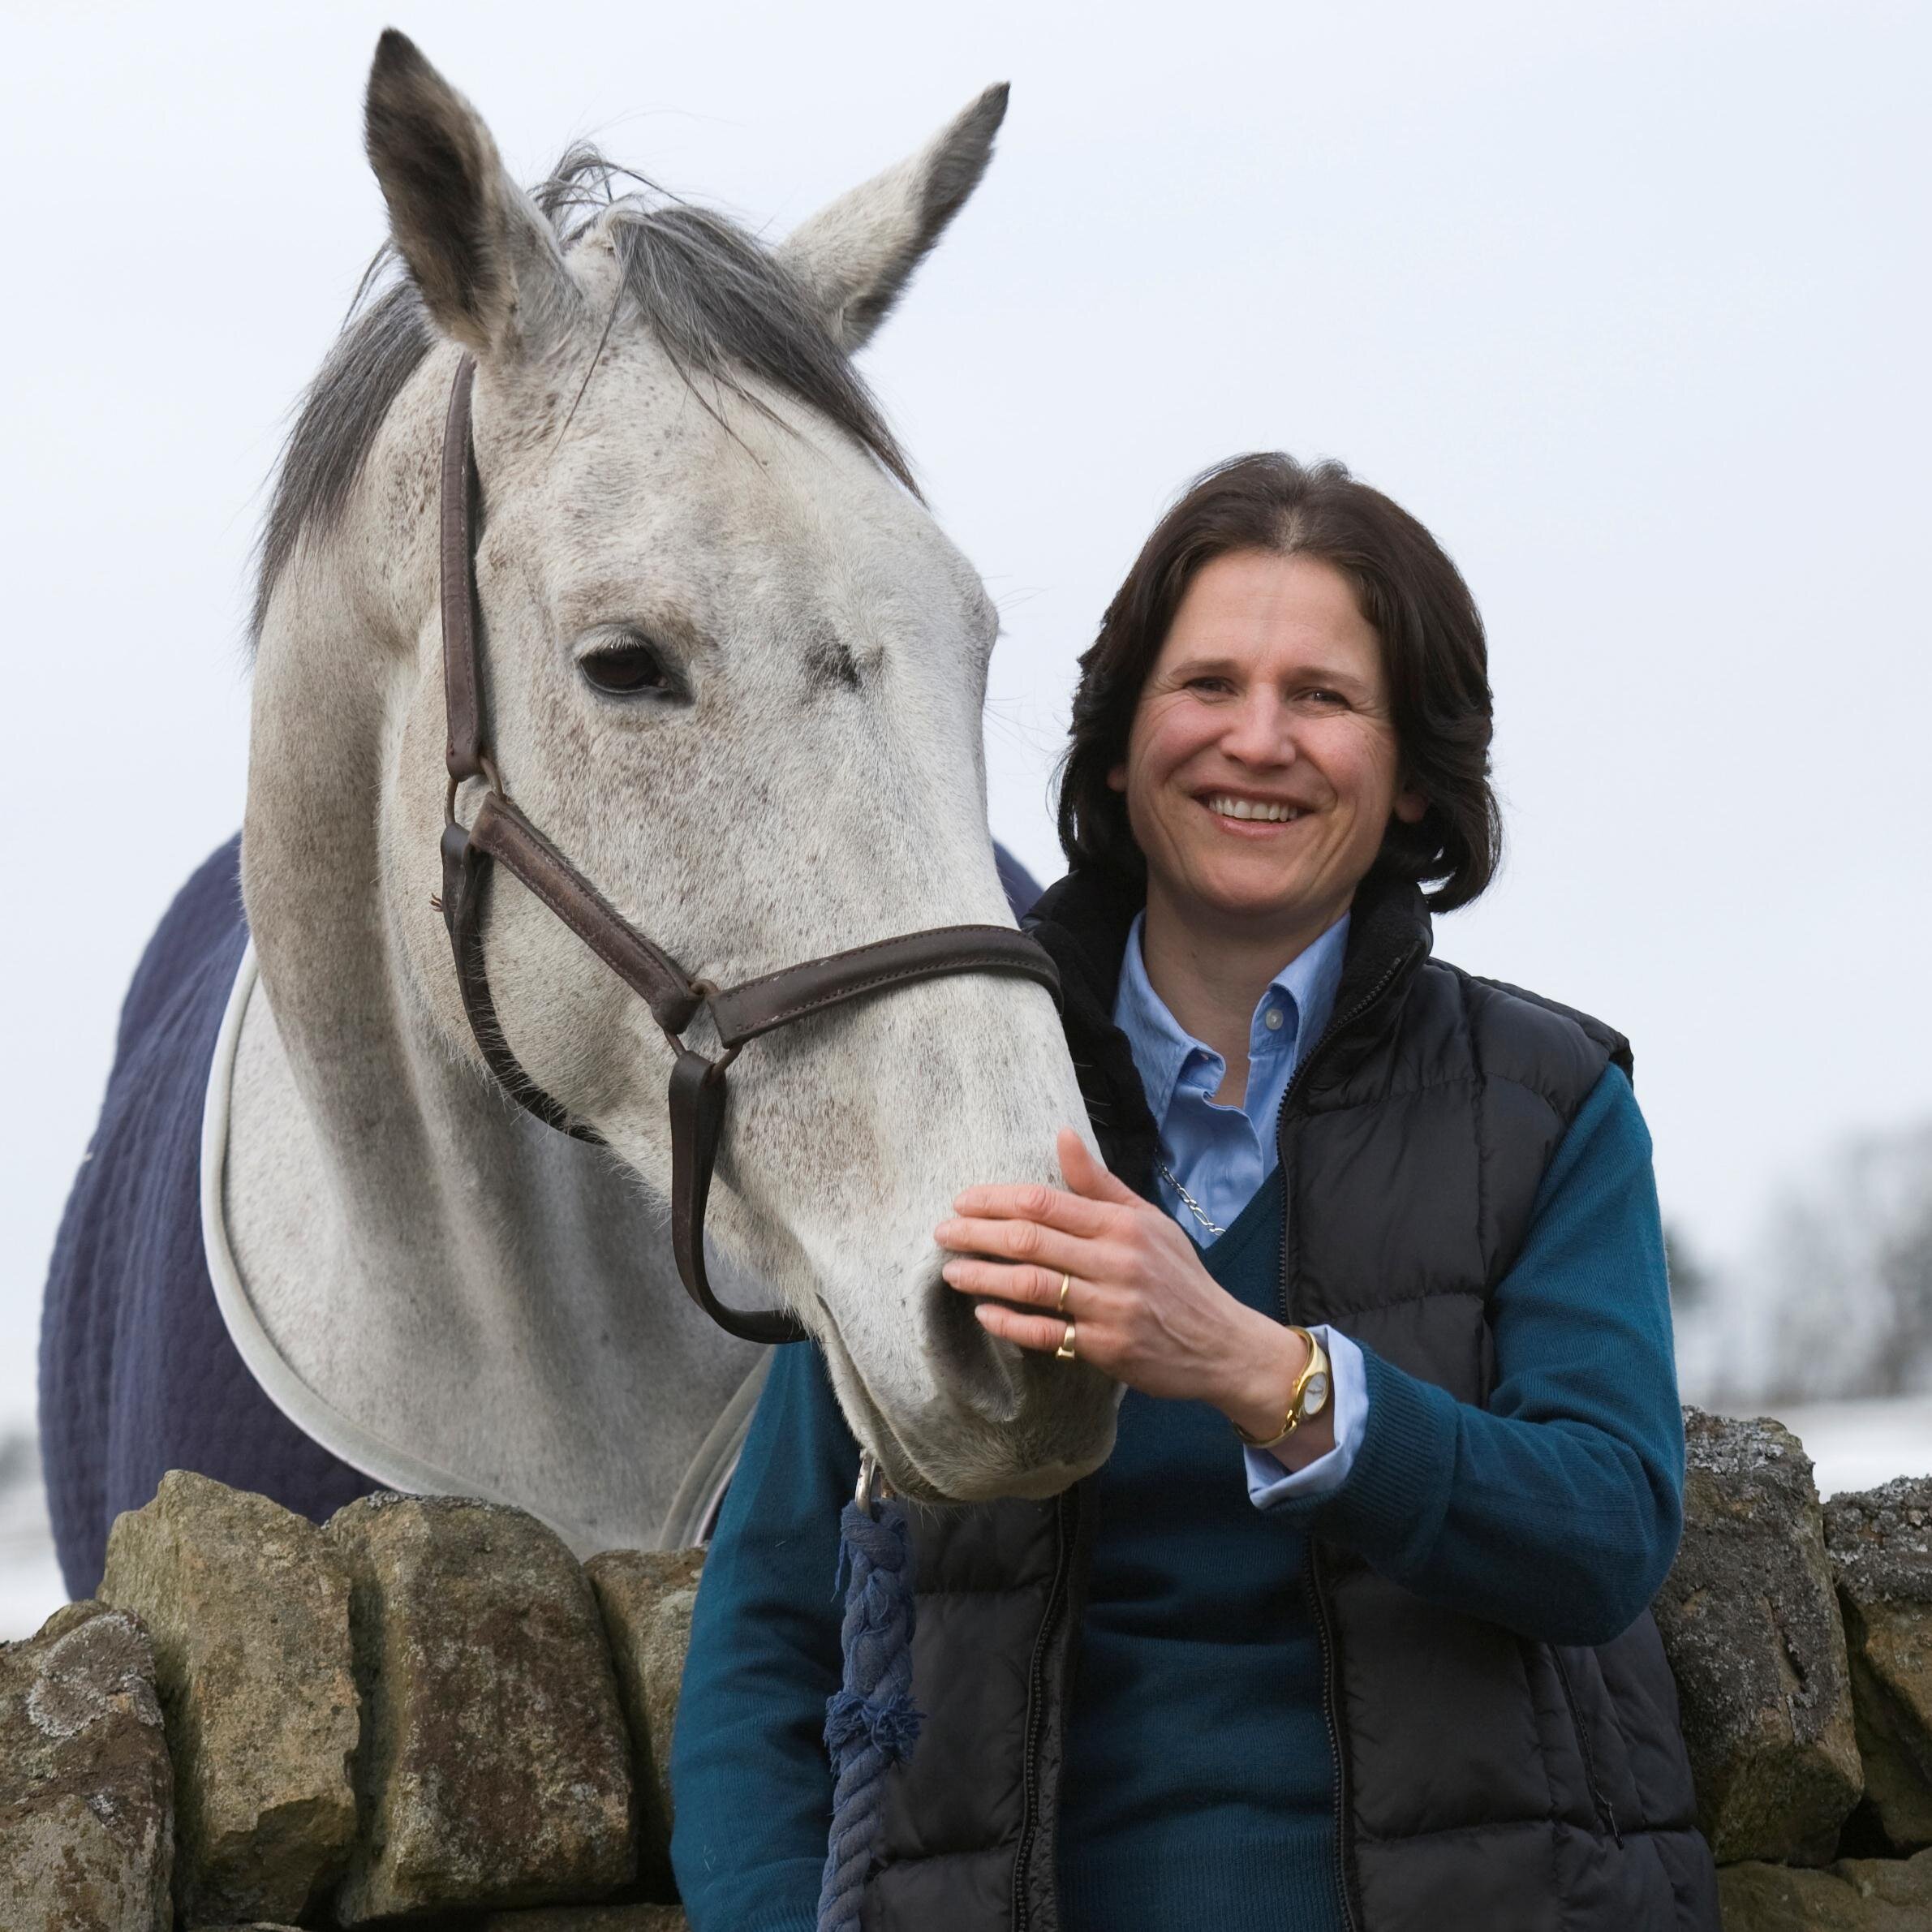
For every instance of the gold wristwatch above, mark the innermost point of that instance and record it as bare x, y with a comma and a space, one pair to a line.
1305, 1400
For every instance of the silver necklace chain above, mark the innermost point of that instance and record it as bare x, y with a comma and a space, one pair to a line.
1187, 1200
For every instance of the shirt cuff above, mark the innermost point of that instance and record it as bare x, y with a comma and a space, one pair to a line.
1269, 1482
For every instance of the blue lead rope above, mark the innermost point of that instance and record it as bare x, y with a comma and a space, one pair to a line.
870, 1722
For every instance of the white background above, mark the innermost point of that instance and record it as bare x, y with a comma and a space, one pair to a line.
1627, 302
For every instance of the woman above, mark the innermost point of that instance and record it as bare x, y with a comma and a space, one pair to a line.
1380, 1655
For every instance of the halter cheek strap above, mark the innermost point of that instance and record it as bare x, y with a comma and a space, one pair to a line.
500, 834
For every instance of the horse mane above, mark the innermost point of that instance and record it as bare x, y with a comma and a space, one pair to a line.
716, 298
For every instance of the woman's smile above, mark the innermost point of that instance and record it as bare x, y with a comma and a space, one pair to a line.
1241, 814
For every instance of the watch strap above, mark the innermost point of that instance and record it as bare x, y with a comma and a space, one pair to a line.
1317, 1364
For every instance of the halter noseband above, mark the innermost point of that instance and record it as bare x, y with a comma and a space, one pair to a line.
501, 834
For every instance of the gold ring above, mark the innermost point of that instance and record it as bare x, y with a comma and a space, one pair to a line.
1066, 1281
1065, 1352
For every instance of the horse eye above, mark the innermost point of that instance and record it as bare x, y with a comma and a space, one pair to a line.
627, 667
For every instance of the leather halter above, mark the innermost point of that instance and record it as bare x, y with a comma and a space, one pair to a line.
500, 833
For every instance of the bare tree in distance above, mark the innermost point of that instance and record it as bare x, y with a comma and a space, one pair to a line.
1689, 1277
1836, 1302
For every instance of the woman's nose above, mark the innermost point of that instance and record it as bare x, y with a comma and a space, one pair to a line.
1258, 732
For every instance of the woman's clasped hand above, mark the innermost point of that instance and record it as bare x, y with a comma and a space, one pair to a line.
1142, 1308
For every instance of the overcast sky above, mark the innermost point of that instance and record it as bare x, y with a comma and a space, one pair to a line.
1627, 302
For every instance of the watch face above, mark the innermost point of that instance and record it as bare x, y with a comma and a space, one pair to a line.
1314, 1394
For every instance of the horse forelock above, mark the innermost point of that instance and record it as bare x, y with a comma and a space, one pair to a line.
715, 297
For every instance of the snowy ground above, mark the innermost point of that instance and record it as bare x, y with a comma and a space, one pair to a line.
1854, 1445
1858, 1445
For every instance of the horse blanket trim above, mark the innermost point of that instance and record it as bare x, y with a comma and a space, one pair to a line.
361, 1448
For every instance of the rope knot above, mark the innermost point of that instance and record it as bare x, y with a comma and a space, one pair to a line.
889, 1725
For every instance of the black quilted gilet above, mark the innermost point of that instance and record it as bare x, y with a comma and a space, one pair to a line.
1485, 1779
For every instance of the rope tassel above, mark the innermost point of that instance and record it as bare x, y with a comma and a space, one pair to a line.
870, 1721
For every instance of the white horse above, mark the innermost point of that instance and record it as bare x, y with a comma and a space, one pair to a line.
737, 673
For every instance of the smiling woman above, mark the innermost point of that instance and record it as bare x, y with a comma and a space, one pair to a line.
1351, 1629
1329, 565
1262, 762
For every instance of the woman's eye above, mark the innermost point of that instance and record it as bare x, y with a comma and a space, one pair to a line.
626, 668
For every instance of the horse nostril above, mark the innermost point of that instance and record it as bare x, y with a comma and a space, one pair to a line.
982, 1369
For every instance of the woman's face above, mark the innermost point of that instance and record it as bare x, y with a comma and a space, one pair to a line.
1269, 697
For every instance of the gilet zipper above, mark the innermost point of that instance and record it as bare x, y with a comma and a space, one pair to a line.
1334, 1728
1324, 1626
1065, 1513
1336, 1026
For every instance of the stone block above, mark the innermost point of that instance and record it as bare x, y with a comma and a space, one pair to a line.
589, 1918
1880, 1544
495, 1769
646, 1597
1750, 1622
248, 1605
1855, 1894
86, 1831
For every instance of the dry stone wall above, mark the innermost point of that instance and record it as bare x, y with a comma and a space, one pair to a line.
496, 1766
248, 1614
87, 1820
1881, 1550
1801, 1639
647, 1597
1751, 1624
428, 1712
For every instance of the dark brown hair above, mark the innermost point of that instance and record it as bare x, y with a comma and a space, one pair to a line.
1433, 650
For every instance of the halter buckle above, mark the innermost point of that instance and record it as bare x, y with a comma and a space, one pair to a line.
492, 782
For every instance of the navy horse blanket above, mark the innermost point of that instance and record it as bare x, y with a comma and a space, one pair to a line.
137, 1374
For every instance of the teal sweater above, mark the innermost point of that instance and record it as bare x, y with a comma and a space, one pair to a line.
1198, 1788
1198, 1754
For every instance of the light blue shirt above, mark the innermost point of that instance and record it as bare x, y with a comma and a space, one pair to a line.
1222, 1154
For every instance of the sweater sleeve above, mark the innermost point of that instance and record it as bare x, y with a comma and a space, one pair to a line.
750, 1782
1556, 1510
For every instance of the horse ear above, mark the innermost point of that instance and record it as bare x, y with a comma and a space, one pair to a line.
485, 259
854, 256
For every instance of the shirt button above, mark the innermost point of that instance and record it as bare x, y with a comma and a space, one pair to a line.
1271, 1019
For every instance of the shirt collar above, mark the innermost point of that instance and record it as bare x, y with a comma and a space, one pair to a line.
1163, 1051
1309, 979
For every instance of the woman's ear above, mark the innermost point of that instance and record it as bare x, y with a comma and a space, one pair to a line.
1116, 779
1410, 807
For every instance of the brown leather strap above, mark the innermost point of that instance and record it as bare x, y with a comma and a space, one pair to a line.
503, 832
462, 696
465, 869
756, 1006
697, 1102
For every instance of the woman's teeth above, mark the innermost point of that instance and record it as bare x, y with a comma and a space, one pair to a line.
1254, 808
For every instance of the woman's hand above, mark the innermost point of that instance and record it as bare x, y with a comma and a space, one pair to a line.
1144, 1309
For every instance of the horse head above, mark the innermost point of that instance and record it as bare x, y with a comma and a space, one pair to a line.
736, 671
